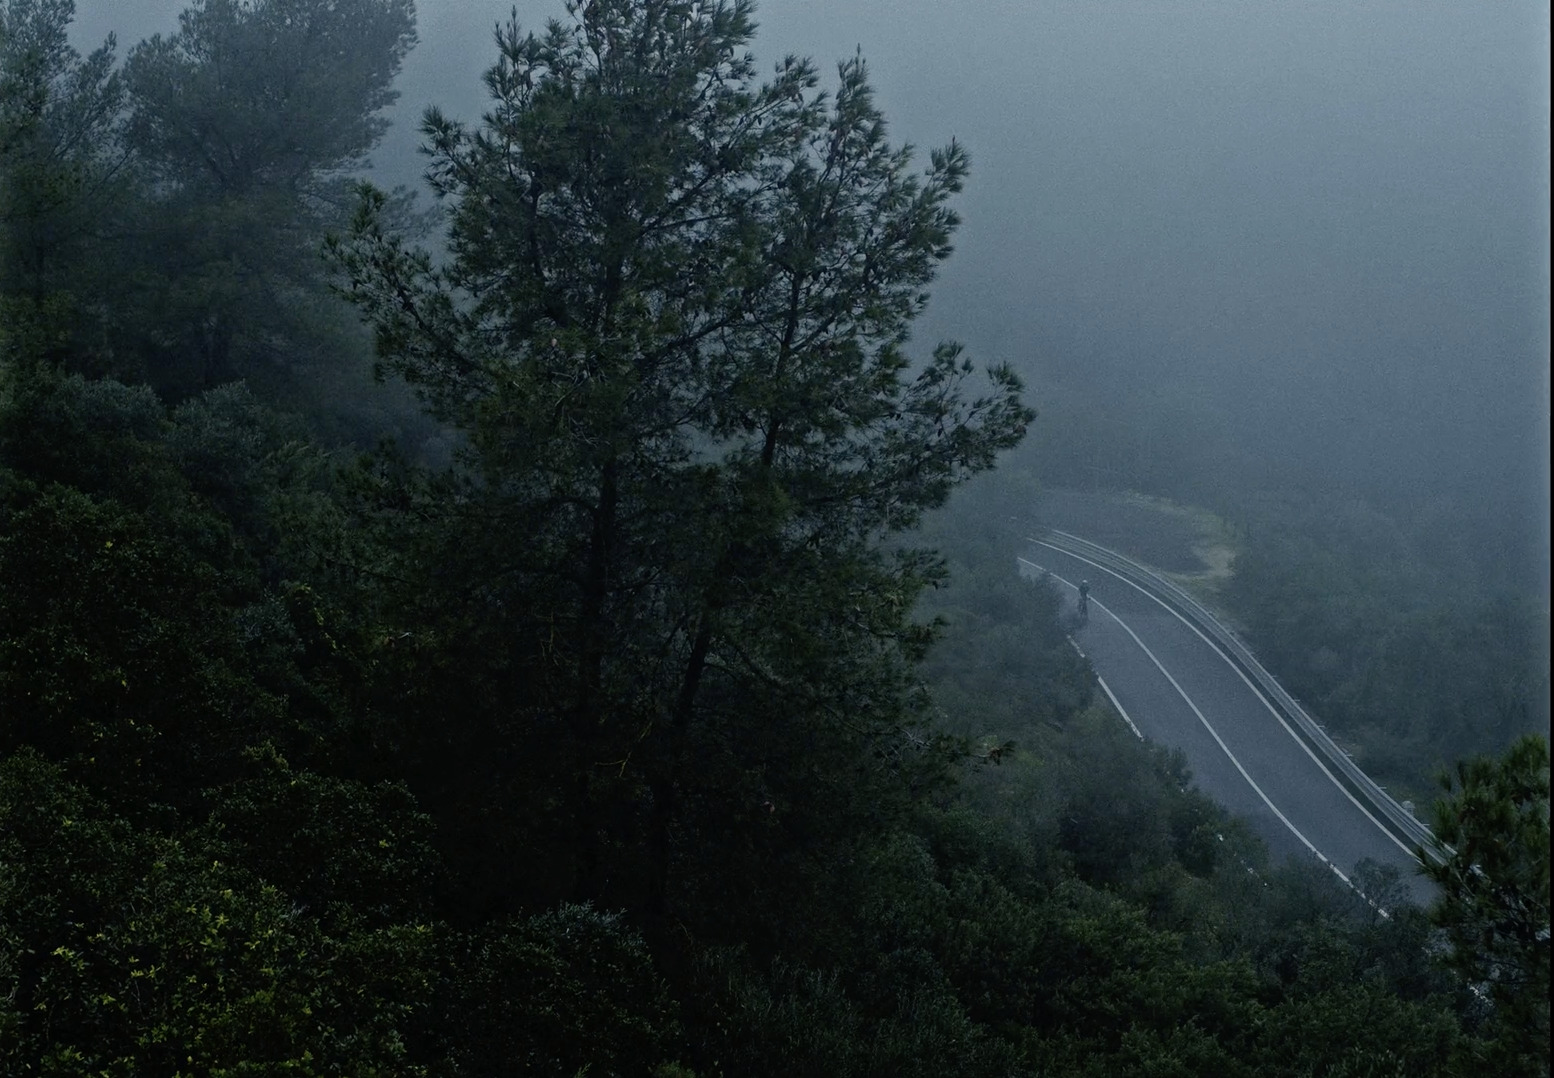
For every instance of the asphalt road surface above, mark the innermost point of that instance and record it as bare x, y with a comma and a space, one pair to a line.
1177, 690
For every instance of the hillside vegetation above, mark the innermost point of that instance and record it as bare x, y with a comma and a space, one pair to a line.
626, 710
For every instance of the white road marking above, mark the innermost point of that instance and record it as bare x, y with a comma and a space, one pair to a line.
1249, 684
1204, 720
1107, 689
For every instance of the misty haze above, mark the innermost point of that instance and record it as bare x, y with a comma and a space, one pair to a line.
837, 537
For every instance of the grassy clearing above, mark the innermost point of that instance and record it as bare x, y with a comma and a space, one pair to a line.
1214, 543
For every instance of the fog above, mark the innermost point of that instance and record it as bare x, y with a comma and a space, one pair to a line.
1296, 244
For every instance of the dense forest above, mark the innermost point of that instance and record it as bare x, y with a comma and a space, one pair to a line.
1415, 656
516, 637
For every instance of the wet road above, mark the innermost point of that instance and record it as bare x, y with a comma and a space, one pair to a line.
1178, 689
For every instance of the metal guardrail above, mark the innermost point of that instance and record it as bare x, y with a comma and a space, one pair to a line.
1401, 822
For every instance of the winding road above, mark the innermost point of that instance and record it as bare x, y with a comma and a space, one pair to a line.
1181, 679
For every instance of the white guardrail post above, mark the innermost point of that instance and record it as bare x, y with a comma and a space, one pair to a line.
1402, 822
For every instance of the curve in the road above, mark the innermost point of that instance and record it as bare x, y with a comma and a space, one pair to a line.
1250, 677
1400, 822
1256, 691
1202, 718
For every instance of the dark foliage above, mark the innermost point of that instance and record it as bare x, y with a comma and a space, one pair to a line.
616, 744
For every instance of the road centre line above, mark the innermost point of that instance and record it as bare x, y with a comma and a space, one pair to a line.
1201, 718
1257, 692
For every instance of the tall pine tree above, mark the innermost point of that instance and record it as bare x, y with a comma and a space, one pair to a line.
672, 330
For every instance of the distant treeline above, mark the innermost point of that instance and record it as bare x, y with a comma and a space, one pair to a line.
1412, 658
1413, 622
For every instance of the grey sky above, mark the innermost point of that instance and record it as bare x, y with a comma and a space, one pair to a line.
1322, 226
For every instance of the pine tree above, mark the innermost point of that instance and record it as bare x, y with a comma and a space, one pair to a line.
1492, 830
60, 156
247, 125
673, 330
